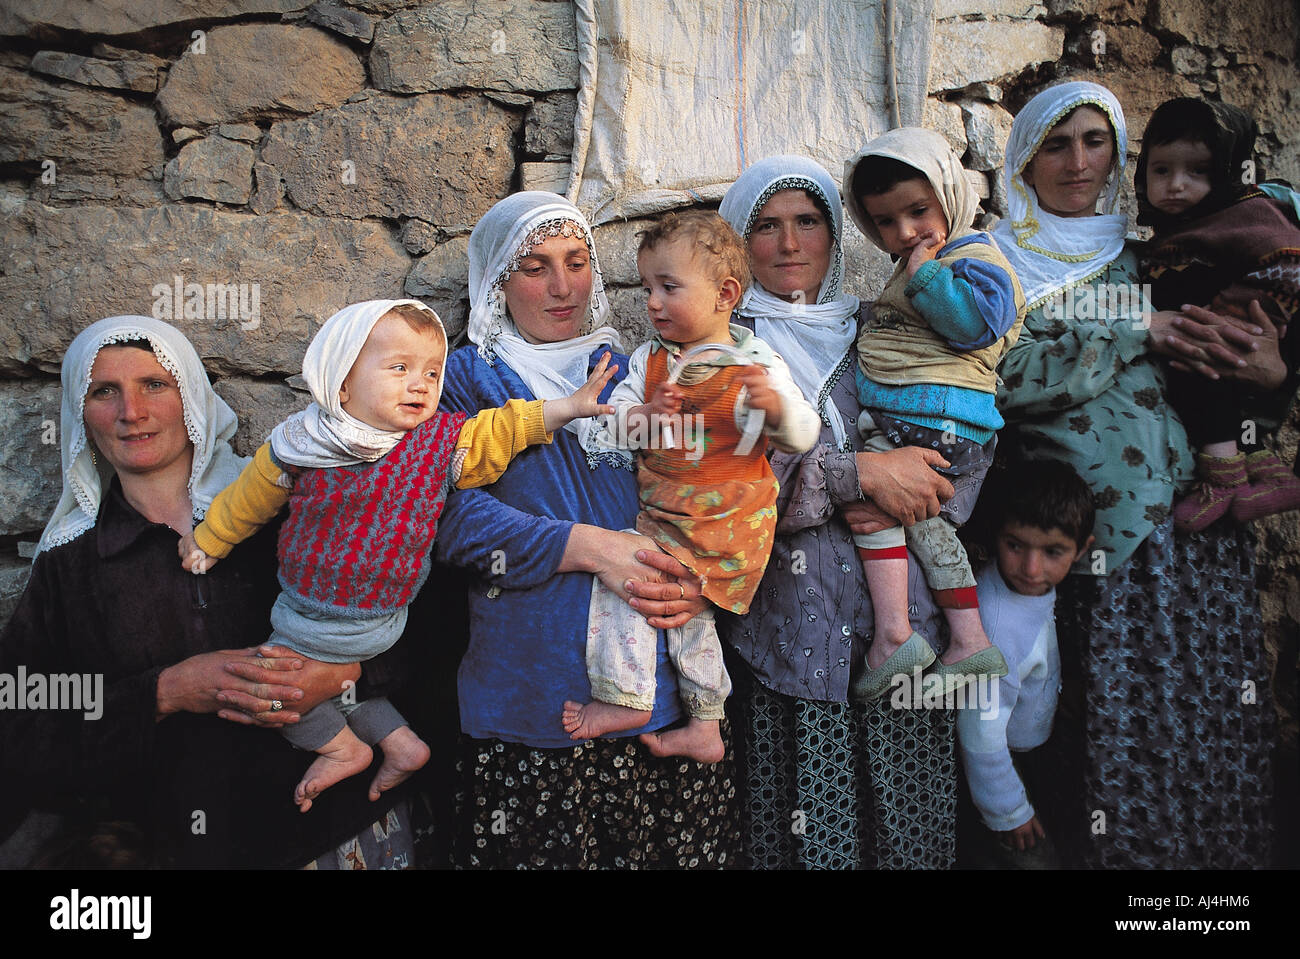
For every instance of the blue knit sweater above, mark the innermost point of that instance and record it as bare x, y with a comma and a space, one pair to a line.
528, 623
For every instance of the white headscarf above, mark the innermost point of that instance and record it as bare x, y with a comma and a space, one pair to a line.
324, 435
1052, 253
813, 338
505, 235
209, 423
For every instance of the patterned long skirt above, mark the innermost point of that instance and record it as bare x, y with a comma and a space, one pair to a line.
1165, 746
840, 786
606, 804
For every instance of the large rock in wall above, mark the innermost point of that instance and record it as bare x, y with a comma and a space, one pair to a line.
116, 17
80, 143
263, 404
548, 130
971, 51
482, 44
131, 73
253, 289
1225, 25
440, 158
257, 70
29, 452
211, 168
442, 279
1270, 90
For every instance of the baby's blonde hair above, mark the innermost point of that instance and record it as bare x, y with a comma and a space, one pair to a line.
712, 238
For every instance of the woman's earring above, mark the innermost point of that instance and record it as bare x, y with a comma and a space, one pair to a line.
93, 459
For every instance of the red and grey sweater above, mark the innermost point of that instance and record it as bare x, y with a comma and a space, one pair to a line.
357, 539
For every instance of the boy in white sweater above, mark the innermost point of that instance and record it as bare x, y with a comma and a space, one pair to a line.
1042, 524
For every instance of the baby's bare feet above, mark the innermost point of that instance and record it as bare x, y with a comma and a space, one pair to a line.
341, 757
596, 719
404, 753
699, 739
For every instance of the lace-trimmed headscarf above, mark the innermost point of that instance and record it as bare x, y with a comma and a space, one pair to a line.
209, 423
506, 234
815, 339
1051, 253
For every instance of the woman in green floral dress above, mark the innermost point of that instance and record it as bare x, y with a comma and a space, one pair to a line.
1166, 714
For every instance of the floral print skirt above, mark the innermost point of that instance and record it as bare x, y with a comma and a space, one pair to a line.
605, 804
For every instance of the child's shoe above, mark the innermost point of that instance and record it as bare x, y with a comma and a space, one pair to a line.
908, 659
1272, 488
987, 662
1222, 479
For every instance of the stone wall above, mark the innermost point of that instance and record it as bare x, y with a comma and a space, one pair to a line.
322, 153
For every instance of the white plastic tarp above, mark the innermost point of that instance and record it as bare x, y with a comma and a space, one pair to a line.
677, 97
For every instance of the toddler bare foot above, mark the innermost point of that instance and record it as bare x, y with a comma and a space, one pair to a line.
404, 753
699, 739
341, 757
596, 719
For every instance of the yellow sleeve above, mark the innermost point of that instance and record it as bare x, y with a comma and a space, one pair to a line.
490, 440
243, 507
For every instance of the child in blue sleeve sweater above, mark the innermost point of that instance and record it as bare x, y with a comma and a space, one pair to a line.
927, 359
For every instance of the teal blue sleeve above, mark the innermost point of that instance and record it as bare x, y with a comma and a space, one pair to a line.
971, 304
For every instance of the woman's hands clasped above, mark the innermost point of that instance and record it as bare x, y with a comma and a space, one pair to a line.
1234, 340
243, 685
653, 583
666, 604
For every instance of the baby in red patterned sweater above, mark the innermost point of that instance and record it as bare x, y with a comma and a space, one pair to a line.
365, 470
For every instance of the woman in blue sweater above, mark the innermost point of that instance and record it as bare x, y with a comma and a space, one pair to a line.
532, 542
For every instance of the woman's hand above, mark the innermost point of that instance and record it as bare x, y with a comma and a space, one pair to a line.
318, 682
669, 604
1233, 342
618, 558
202, 683
240, 685
903, 482
612, 556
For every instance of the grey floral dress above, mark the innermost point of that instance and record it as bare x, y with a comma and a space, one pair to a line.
831, 784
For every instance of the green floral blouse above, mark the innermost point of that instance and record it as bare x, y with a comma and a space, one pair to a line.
1087, 392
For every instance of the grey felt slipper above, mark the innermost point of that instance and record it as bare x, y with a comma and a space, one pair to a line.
987, 662
914, 654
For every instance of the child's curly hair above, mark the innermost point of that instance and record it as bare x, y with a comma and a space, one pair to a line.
712, 237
